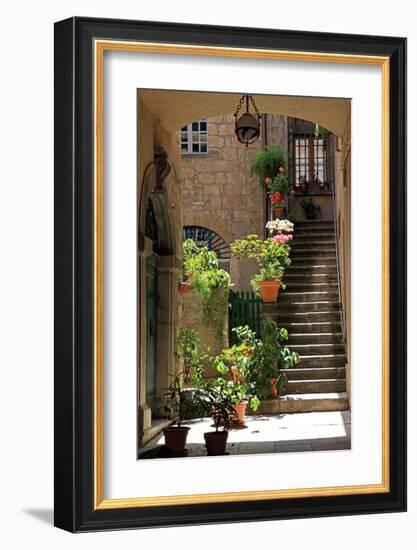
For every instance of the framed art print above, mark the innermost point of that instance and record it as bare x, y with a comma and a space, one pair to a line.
230, 318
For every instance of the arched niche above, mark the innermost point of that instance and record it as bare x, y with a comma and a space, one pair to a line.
159, 265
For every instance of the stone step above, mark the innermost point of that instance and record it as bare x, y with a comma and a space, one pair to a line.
307, 402
285, 317
315, 338
312, 328
308, 286
311, 269
314, 223
324, 385
314, 235
317, 373
312, 248
306, 307
319, 349
323, 257
315, 296
310, 278
318, 361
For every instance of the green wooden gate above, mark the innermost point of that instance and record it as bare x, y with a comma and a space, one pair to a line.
245, 309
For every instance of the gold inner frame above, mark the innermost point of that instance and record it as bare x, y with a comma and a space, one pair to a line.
100, 46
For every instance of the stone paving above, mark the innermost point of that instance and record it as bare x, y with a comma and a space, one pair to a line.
286, 433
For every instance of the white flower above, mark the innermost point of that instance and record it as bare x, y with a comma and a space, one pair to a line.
280, 226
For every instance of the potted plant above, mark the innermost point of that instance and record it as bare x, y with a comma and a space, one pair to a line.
240, 390
272, 257
269, 361
311, 208
274, 356
267, 283
267, 163
278, 204
211, 402
177, 405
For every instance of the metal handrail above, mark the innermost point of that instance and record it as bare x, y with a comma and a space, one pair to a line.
342, 317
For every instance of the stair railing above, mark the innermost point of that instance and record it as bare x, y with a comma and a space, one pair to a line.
341, 310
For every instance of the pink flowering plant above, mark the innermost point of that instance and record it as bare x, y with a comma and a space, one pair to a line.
281, 238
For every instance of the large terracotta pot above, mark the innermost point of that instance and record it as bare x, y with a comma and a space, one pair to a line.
176, 438
279, 211
269, 290
240, 409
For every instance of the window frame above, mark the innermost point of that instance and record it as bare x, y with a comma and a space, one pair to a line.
189, 131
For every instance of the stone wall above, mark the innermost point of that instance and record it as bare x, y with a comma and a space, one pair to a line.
219, 191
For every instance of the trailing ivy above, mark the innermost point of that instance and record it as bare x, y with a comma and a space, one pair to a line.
209, 281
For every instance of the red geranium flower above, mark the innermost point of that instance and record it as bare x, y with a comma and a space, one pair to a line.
281, 169
277, 199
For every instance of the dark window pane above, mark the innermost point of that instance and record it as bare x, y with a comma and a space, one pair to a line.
203, 125
194, 126
195, 148
204, 148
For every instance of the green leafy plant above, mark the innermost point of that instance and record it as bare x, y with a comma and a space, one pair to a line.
209, 281
178, 402
188, 342
212, 402
267, 162
311, 208
279, 184
271, 256
273, 356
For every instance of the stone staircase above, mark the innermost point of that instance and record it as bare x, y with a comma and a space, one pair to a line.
310, 310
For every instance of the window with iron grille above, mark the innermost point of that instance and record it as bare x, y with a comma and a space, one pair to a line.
310, 157
194, 138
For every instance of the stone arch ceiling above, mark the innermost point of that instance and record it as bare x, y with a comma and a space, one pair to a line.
176, 109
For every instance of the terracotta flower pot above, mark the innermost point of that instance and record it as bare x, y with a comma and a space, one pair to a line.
236, 376
273, 383
176, 438
269, 290
216, 442
279, 211
184, 287
240, 409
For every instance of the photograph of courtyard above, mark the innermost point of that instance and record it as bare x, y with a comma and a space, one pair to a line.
243, 274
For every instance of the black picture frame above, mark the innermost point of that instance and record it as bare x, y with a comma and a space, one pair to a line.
74, 376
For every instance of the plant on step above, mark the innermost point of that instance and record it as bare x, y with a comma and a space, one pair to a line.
272, 258
272, 357
266, 164
311, 208
280, 227
210, 282
278, 203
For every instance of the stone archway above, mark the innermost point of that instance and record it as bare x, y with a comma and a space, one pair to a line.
159, 266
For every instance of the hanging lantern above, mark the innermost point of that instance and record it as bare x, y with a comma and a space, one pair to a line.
247, 125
